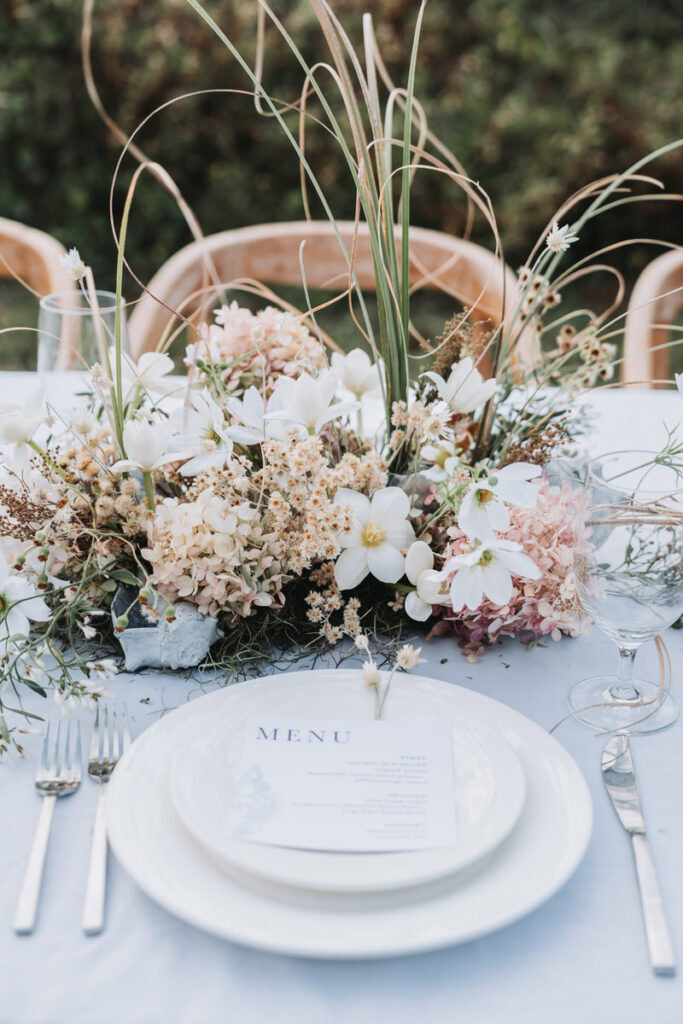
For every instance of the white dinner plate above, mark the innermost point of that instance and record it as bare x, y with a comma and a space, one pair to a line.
489, 785
535, 860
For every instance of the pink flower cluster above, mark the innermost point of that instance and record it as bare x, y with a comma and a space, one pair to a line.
267, 344
547, 607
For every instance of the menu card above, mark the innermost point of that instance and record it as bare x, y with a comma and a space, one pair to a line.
355, 786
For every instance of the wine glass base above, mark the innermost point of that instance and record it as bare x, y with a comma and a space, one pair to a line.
592, 703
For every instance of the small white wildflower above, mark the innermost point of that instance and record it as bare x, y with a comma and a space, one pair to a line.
372, 677
559, 238
73, 263
88, 631
361, 641
93, 695
103, 670
65, 701
408, 657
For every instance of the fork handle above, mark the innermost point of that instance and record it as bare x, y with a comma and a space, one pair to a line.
659, 942
93, 905
27, 904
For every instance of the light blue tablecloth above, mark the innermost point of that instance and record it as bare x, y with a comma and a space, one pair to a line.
580, 959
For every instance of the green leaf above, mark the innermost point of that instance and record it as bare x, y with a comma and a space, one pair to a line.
124, 576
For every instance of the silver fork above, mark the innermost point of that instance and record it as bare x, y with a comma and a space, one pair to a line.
109, 739
58, 774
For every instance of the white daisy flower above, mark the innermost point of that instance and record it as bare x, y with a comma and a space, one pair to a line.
149, 373
20, 604
431, 587
483, 510
559, 238
204, 435
252, 412
18, 424
485, 572
356, 372
379, 539
465, 390
306, 401
147, 446
444, 460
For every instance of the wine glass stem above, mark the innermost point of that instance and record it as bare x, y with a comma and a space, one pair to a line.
624, 690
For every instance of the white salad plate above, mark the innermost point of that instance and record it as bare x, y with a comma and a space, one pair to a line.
525, 870
489, 786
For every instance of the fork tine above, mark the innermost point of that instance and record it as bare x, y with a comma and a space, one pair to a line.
65, 763
104, 749
115, 735
126, 728
54, 760
77, 764
94, 754
45, 752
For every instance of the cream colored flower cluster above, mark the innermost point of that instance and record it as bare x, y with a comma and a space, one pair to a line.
301, 485
418, 423
214, 551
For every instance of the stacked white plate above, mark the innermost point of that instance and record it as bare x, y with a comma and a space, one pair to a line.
523, 812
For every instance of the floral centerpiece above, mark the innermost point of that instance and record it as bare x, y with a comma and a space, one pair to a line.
295, 494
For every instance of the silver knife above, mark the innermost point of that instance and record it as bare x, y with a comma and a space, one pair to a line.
620, 780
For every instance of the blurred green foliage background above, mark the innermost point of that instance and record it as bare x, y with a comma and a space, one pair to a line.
535, 98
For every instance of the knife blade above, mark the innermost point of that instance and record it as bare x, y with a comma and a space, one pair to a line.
620, 781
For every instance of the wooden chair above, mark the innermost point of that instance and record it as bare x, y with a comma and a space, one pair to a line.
34, 257
270, 253
650, 305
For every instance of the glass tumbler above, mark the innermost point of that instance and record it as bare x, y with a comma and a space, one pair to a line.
72, 333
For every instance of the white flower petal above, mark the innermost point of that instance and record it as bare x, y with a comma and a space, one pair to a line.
516, 492
419, 559
351, 567
386, 563
388, 505
473, 518
416, 608
520, 564
430, 587
356, 501
497, 582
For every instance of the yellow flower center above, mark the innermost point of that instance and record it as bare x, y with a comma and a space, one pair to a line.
485, 559
372, 535
484, 496
441, 457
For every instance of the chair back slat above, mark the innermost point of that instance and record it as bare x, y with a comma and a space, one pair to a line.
654, 300
269, 253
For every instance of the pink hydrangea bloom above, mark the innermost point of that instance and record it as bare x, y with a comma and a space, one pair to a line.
267, 343
539, 609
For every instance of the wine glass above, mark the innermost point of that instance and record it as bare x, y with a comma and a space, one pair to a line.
72, 334
628, 564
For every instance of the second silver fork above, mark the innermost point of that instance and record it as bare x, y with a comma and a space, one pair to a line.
109, 739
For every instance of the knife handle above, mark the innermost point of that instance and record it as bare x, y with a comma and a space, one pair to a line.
659, 942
